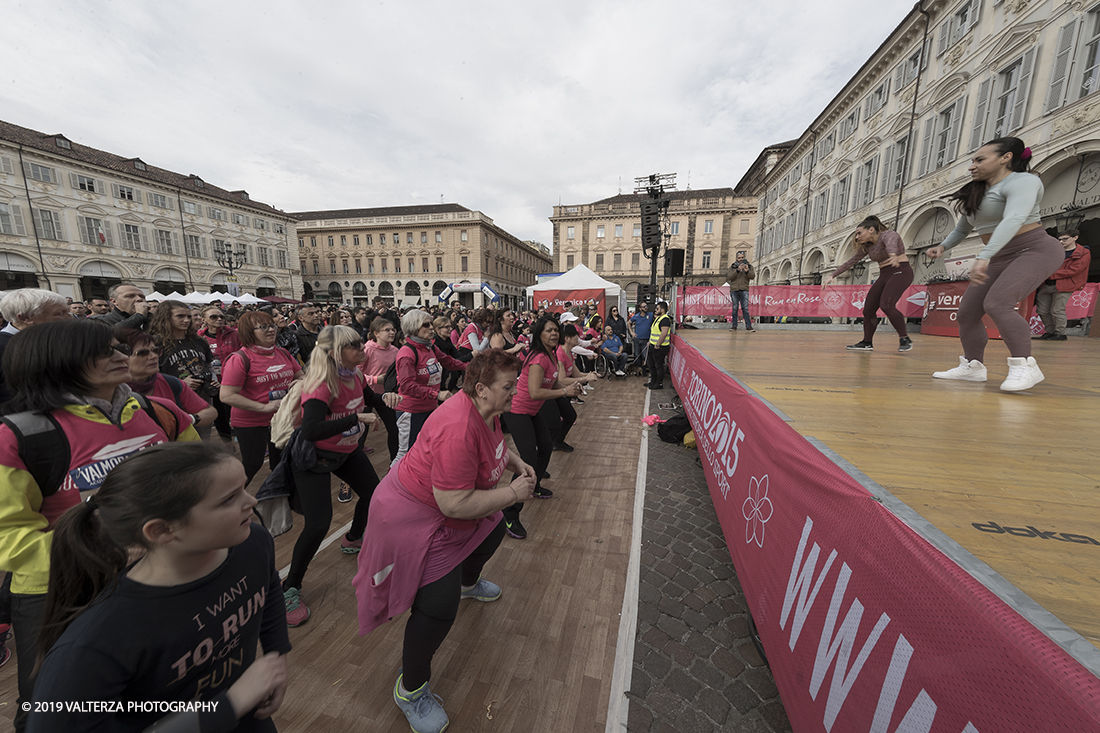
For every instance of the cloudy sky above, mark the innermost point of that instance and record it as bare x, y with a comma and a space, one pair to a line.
504, 107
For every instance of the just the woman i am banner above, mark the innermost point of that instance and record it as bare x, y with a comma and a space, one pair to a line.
836, 301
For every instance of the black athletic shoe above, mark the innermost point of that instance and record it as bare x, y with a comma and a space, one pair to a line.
1058, 337
905, 344
861, 346
655, 386
564, 447
542, 493
1045, 337
514, 528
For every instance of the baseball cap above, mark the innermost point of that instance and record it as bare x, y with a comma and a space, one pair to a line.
567, 317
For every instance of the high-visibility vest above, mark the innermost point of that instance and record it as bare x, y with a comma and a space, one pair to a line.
655, 332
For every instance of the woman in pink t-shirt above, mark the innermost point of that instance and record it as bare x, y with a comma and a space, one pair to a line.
254, 382
380, 354
435, 521
538, 382
336, 409
146, 379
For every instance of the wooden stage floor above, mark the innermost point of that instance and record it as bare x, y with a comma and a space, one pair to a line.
542, 655
958, 453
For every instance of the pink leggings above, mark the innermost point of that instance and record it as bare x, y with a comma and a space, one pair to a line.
1014, 272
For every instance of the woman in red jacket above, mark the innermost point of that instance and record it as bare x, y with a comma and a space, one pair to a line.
420, 368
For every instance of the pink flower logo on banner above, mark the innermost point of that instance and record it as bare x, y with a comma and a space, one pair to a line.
757, 510
1037, 326
834, 300
1081, 299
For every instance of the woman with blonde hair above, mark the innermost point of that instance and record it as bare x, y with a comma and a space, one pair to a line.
884, 246
336, 407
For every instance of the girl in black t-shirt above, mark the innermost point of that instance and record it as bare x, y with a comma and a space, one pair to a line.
179, 625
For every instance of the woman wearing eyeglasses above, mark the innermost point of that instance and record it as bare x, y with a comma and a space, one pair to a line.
254, 381
146, 379
223, 341
76, 371
380, 355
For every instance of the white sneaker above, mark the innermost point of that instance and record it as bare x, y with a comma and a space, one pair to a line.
967, 371
620, 373
1023, 373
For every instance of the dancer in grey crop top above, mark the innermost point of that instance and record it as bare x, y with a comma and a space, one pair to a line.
1001, 202
1007, 205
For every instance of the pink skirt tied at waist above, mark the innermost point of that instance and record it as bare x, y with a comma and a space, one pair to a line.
406, 546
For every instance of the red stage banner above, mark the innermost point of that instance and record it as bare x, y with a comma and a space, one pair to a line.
942, 310
842, 301
555, 300
838, 301
867, 626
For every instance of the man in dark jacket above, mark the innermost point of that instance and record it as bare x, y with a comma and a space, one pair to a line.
128, 308
309, 325
738, 277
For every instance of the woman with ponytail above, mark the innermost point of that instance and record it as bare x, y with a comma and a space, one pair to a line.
884, 246
336, 408
1002, 203
179, 625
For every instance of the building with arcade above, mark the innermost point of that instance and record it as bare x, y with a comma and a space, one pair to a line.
78, 220
408, 255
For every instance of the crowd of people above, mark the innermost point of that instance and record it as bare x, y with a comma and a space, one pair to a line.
132, 437
132, 433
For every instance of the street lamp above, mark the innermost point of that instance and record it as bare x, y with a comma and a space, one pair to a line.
231, 257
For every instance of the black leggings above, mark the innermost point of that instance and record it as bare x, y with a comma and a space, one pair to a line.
315, 494
221, 422
434, 611
253, 442
559, 416
885, 294
533, 442
388, 416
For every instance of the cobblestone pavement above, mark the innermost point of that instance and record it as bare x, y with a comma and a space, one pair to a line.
695, 666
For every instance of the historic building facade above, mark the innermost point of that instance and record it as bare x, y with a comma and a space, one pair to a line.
900, 135
709, 225
410, 254
77, 220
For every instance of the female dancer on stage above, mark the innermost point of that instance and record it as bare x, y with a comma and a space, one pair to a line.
1002, 203
885, 247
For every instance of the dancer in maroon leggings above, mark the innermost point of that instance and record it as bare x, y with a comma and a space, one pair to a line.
884, 246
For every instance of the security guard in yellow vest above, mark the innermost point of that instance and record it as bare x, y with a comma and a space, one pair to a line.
660, 338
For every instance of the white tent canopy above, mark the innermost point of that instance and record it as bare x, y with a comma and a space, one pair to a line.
249, 299
197, 298
159, 297
579, 278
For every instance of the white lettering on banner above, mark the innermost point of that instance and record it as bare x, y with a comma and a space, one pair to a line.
840, 647
718, 431
802, 591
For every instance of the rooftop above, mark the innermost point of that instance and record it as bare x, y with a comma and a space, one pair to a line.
59, 145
